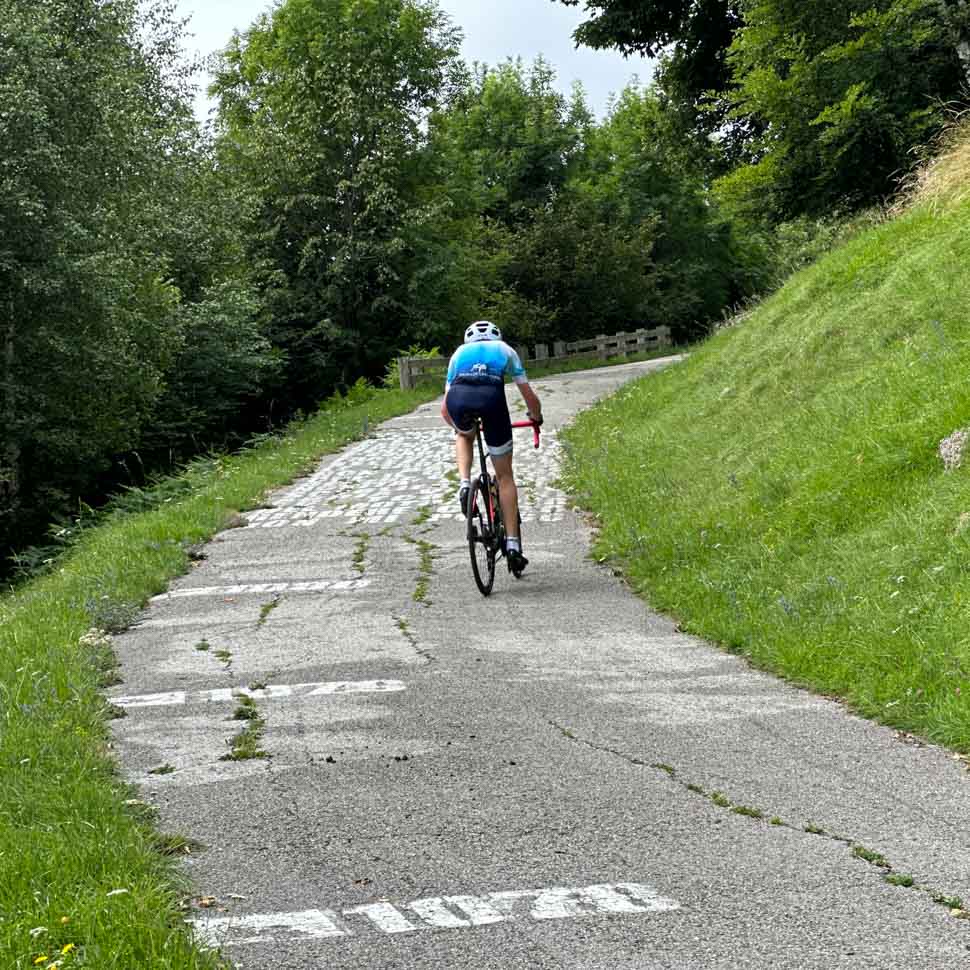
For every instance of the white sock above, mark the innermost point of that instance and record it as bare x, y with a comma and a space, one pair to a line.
465, 483
513, 543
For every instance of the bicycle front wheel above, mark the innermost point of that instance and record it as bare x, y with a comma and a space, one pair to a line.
481, 537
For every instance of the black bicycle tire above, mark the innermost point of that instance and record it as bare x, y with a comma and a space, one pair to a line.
479, 531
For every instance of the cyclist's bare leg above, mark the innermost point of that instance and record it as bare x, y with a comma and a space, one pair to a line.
508, 494
463, 453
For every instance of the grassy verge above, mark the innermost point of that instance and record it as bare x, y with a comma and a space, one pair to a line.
82, 880
782, 491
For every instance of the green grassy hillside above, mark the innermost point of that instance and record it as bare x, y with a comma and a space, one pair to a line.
782, 492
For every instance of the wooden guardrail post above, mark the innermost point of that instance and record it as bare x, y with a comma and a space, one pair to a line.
404, 373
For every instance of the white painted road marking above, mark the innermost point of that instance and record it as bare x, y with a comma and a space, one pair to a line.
439, 912
312, 924
227, 695
244, 589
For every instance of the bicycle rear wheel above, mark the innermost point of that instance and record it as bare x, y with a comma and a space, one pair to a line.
481, 537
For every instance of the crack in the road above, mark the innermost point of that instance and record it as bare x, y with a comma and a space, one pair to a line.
405, 627
954, 904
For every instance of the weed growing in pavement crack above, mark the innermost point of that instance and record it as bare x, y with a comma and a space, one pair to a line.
246, 744
165, 769
224, 657
424, 513
360, 552
899, 879
748, 811
954, 904
267, 608
425, 569
871, 856
203, 646
246, 710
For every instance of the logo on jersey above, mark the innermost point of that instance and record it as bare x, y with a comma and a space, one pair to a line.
480, 370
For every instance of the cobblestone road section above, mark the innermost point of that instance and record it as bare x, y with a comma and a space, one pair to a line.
387, 478
372, 766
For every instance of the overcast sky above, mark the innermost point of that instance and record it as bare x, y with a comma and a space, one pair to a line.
494, 30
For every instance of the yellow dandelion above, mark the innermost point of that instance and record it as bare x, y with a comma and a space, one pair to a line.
41, 959
65, 919
67, 949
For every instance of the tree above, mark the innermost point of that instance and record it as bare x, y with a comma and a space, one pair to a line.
322, 111
92, 134
844, 90
510, 140
692, 39
640, 171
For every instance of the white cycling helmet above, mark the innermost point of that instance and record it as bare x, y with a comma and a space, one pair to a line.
482, 330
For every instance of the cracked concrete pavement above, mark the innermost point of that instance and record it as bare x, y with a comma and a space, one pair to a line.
553, 777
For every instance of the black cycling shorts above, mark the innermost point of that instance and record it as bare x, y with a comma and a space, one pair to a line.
466, 401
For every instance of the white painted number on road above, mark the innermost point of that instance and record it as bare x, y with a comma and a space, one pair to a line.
440, 912
227, 695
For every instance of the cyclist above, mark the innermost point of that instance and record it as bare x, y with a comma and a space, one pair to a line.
475, 386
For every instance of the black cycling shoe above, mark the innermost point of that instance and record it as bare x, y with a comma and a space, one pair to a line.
517, 562
463, 499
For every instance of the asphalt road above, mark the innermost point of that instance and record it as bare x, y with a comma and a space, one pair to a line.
553, 777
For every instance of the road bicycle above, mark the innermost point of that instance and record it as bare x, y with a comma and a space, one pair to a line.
485, 527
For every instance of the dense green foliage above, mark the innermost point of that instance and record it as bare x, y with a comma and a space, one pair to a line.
321, 110
117, 257
783, 490
561, 228
810, 106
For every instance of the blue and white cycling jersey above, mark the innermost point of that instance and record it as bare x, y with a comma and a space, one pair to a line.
485, 362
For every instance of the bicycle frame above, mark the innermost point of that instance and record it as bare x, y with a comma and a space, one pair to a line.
490, 535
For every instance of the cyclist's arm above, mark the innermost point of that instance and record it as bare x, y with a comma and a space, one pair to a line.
531, 400
516, 371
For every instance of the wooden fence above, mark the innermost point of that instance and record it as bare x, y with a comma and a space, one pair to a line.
414, 370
